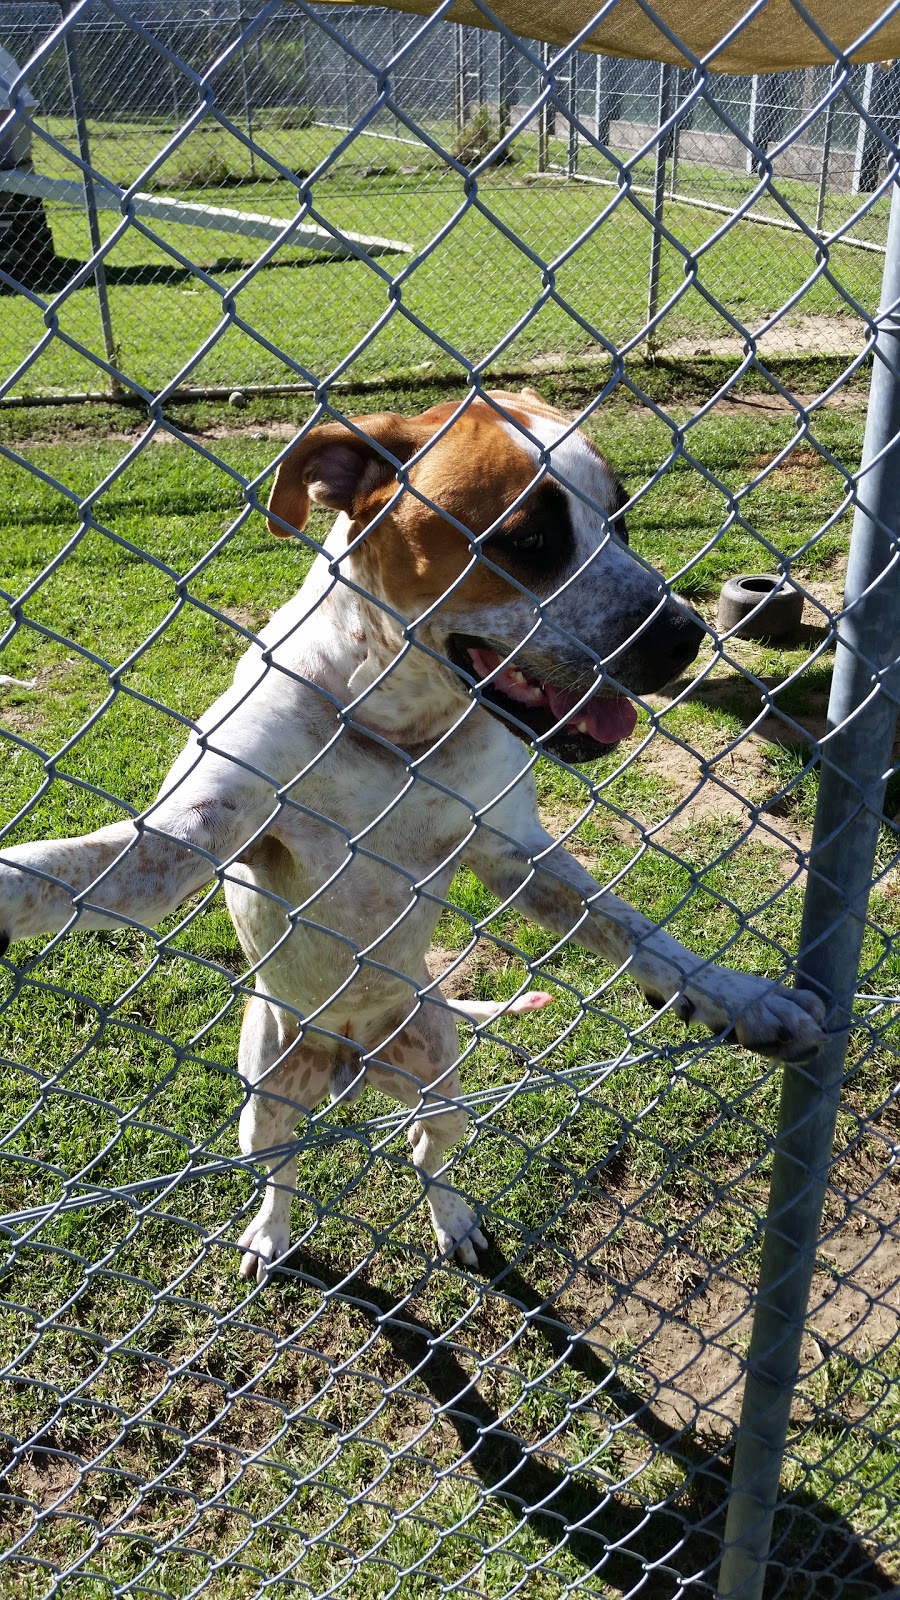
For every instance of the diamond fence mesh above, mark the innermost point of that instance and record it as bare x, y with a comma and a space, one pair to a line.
227, 110
461, 254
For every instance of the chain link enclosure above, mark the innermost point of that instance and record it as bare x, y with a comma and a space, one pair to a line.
378, 212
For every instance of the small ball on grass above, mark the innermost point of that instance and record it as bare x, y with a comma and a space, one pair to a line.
237, 399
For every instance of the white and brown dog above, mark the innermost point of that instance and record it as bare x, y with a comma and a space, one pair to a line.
368, 748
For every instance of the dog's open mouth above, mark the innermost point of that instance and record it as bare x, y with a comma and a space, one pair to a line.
584, 729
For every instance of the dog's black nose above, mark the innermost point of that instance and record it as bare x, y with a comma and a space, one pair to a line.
662, 650
681, 633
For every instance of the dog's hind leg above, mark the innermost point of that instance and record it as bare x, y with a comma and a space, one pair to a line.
418, 1068
284, 1081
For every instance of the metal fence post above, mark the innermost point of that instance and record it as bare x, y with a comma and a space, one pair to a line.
545, 116
246, 93
607, 96
572, 153
868, 145
663, 148
681, 88
480, 94
506, 67
90, 201
856, 756
827, 136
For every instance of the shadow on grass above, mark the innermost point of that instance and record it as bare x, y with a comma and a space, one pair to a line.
146, 275
629, 1543
803, 702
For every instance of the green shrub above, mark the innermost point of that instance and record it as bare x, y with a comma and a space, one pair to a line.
209, 171
478, 138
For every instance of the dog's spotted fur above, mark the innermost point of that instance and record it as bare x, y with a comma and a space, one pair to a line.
340, 782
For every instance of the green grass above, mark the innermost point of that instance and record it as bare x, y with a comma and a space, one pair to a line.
504, 285
211, 1430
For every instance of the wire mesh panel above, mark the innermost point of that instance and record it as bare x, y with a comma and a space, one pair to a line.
379, 1237
182, 105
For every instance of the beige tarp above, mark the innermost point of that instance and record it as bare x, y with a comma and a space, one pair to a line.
775, 37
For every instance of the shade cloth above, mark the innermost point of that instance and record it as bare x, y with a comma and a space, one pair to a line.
775, 37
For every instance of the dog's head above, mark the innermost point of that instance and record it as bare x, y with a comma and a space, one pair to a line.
508, 547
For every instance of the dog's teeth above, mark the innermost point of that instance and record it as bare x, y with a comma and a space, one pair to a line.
581, 727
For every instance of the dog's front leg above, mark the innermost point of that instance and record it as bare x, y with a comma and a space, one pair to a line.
130, 871
544, 882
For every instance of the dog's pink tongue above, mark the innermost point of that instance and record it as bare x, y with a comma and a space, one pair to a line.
607, 719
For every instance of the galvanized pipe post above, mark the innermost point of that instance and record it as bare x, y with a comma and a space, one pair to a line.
663, 150
856, 760
545, 116
572, 154
824, 170
246, 94
459, 77
90, 202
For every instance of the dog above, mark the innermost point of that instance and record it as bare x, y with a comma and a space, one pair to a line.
476, 590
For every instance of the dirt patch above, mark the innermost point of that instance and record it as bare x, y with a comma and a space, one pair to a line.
807, 335
463, 971
738, 783
22, 705
691, 1342
739, 792
801, 466
162, 436
45, 1477
20, 719
253, 618
236, 430
772, 403
729, 785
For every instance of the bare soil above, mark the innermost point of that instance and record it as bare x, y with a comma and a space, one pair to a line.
694, 1343
806, 335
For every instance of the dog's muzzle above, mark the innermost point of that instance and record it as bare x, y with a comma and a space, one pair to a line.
559, 719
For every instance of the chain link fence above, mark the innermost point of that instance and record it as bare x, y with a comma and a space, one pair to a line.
237, 114
381, 214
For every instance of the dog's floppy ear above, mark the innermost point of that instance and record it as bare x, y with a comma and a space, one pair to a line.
336, 467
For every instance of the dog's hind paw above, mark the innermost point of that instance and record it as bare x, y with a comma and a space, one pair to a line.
456, 1227
264, 1242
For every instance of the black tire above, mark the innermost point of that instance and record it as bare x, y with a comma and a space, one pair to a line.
760, 606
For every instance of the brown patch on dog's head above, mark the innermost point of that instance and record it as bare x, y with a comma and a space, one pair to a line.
342, 466
467, 479
339, 466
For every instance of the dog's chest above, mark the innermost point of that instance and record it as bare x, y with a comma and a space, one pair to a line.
410, 813
362, 856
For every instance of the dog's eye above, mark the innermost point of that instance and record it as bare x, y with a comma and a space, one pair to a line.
527, 543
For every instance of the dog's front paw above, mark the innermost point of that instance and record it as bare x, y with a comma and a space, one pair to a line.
786, 1023
456, 1226
761, 1016
264, 1242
